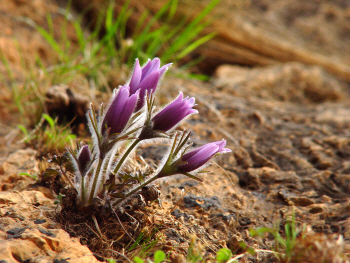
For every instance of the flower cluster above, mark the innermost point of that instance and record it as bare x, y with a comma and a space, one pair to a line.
130, 116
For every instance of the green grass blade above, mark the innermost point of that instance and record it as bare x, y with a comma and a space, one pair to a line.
23, 129
52, 42
50, 24
183, 39
140, 40
203, 14
195, 45
191, 30
49, 120
109, 16
7, 66
80, 34
172, 10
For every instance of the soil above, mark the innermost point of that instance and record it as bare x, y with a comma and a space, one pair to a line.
288, 126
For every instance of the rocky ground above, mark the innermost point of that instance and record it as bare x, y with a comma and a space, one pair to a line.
286, 123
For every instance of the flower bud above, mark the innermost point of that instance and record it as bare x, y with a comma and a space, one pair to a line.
146, 80
84, 159
197, 158
173, 114
119, 111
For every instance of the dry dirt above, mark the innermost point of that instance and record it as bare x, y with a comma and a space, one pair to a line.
286, 123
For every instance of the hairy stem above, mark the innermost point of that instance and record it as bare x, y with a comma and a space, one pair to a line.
125, 155
83, 189
97, 173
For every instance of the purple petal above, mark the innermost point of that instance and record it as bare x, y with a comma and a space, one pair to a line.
119, 111
163, 69
198, 159
191, 101
172, 105
126, 112
201, 155
150, 67
142, 74
174, 113
149, 84
146, 67
136, 77
221, 145
117, 103
169, 119
188, 155
155, 64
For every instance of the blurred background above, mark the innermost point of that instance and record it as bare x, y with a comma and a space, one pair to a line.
90, 47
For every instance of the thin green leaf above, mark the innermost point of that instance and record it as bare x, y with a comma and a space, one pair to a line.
49, 120
52, 42
195, 45
34, 176
23, 129
80, 34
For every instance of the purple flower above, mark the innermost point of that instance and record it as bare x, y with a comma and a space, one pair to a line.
172, 114
146, 79
200, 156
84, 159
120, 110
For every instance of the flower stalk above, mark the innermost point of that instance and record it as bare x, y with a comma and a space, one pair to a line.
125, 155
93, 187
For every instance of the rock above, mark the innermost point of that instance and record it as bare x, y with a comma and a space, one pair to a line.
233, 243
292, 199
301, 201
192, 201
249, 179
262, 161
68, 105
23, 160
188, 184
242, 157
318, 155
174, 235
24, 198
52, 248
333, 115
227, 218
279, 82
178, 214
27, 231
177, 258
317, 208
39, 221
244, 221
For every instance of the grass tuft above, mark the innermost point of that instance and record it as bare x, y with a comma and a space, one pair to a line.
48, 136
